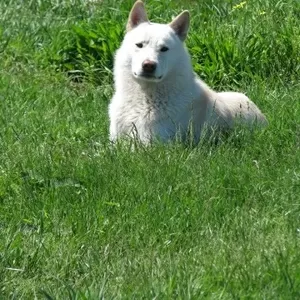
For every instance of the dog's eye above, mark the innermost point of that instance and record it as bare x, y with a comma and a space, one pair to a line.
164, 49
139, 45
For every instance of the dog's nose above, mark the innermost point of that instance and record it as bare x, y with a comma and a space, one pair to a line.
149, 66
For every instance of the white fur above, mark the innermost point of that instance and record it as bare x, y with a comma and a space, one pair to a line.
174, 99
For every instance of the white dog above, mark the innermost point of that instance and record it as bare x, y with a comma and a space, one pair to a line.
158, 96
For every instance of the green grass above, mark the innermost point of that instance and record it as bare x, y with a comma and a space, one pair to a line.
82, 220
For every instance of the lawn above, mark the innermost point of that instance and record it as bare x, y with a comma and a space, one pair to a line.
80, 219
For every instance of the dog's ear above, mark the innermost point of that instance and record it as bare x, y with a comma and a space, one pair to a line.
137, 15
181, 24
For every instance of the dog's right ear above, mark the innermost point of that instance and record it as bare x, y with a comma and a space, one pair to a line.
137, 15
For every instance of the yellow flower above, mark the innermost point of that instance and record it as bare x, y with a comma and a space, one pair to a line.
240, 5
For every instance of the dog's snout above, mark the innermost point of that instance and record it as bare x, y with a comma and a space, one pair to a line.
149, 66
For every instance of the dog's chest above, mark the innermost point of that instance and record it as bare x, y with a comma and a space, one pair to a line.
146, 116
141, 112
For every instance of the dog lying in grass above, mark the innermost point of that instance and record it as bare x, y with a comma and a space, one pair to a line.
157, 94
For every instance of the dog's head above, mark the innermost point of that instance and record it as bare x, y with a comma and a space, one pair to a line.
154, 49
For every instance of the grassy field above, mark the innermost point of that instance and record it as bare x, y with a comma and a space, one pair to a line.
82, 220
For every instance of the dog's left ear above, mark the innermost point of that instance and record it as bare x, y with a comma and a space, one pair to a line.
137, 15
181, 24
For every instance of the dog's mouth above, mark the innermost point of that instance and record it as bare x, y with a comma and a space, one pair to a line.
148, 77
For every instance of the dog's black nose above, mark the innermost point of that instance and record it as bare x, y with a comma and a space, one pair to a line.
149, 66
